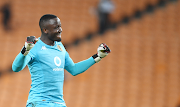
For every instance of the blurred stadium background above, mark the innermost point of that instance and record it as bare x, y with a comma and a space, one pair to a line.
143, 69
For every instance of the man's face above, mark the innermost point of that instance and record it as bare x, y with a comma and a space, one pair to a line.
54, 29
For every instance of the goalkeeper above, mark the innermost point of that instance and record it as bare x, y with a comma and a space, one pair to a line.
47, 58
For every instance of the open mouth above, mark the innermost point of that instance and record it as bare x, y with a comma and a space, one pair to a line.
59, 35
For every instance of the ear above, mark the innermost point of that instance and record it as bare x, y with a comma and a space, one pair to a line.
45, 30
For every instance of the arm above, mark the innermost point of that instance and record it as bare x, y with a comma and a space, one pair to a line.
22, 59
77, 68
80, 67
20, 62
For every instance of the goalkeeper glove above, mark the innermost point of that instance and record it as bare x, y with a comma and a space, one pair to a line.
102, 51
29, 44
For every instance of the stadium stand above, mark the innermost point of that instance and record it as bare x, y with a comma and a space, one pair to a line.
141, 71
76, 20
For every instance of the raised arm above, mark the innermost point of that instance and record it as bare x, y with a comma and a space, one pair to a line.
20, 62
80, 67
77, 68
23, 58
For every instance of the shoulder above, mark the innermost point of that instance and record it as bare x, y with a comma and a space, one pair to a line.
61, 45
36, 48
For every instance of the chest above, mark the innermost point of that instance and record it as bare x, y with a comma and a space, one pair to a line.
51, 57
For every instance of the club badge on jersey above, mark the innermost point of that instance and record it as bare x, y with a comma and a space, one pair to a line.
59, 47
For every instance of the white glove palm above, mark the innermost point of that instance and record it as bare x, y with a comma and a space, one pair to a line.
102, 51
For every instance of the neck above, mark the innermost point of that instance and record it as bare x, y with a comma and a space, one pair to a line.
47, 41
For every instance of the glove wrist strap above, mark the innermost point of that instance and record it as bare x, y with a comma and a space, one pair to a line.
96, 58
23, 51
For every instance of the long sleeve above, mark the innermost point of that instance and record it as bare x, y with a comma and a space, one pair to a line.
80, 67
20, 62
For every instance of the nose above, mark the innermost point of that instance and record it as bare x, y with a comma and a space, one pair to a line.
60, 29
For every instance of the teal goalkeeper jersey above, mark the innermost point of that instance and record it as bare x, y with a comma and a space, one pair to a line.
46, 65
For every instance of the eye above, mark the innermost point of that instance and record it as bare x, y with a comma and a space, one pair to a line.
57, 27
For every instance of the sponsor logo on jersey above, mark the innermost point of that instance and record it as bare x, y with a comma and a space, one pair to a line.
57, 62
58, 69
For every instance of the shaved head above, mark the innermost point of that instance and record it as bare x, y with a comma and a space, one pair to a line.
44, 19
